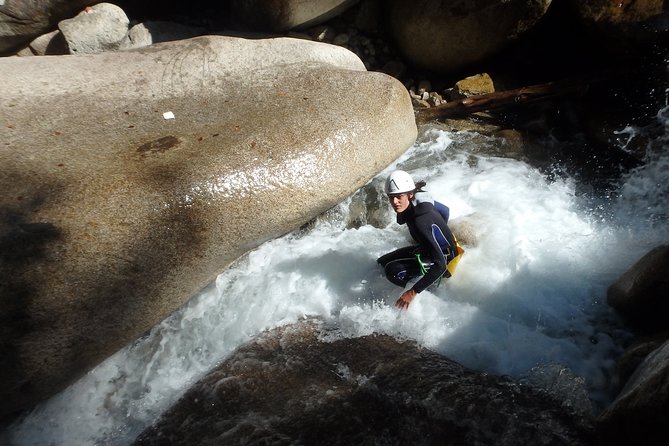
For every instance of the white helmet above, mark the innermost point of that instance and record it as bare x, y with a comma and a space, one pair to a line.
399, 182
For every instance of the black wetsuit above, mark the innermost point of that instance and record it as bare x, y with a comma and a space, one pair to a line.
428, 226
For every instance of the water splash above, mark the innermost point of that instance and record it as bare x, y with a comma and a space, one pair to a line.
528, 297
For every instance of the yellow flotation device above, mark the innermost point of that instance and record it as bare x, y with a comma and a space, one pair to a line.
450, 267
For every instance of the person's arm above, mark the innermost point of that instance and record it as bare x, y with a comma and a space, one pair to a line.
434, 253
433, 250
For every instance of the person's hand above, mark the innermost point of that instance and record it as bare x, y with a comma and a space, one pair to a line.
405, 299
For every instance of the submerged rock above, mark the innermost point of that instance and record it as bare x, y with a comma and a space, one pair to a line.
131, 179
301, 384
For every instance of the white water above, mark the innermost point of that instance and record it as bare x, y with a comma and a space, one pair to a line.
530, 293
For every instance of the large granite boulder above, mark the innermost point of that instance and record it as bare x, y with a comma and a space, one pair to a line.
22, 21
302, 384
131, 179
446, 36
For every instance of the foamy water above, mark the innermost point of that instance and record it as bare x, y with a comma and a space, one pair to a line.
531, 292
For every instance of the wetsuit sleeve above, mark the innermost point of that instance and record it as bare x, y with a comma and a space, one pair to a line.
431, 248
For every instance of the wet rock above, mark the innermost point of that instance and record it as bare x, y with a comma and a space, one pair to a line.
640, 294
639, 411
635, 354
560, 382
132, 178
302, 384
513, 142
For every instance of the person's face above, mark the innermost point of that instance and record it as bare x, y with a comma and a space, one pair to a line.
399, 202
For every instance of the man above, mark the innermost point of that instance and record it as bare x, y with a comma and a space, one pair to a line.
437, 251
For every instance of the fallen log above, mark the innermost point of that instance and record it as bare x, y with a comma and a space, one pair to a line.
505, 99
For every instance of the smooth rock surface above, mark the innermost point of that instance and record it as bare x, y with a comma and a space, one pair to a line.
96, 29
50, 44
284, 15
640, 294
638, 414
151, 32
112, 216
447, 36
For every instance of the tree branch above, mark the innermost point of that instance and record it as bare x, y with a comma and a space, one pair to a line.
505, 99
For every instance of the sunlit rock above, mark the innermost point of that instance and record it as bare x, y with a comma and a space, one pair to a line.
473, 86
130, 179
103, 27
301, 384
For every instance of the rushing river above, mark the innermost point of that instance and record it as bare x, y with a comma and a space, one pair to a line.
528, 299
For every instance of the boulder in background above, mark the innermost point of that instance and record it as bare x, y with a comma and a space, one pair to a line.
22, 21
447, 36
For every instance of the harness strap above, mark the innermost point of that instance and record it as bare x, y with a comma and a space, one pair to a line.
450, 266
423, 270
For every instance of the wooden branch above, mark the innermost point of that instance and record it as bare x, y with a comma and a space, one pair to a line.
504, 99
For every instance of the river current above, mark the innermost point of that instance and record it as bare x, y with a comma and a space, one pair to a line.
528, 299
